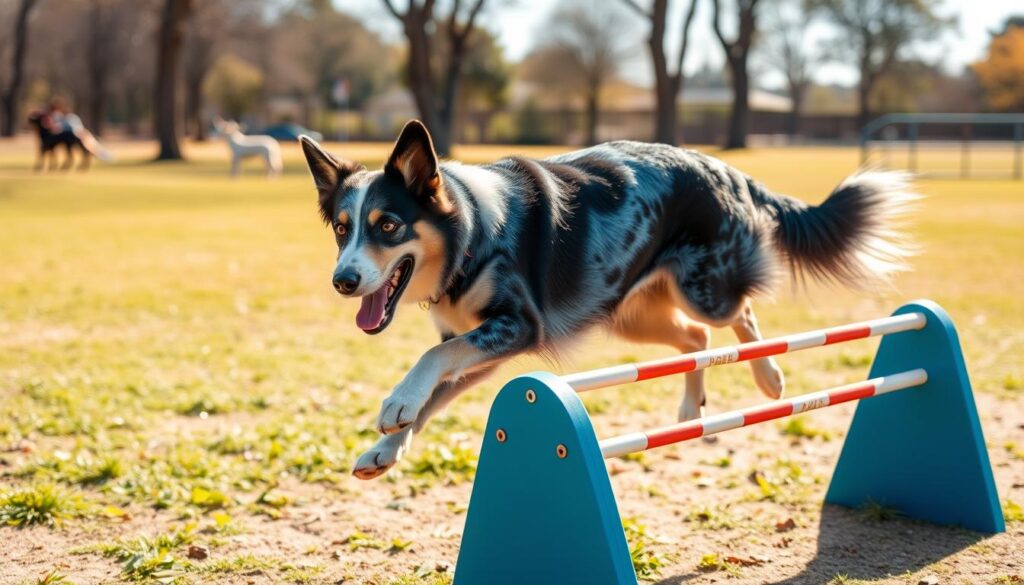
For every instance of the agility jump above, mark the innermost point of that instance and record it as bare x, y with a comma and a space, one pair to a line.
543, 510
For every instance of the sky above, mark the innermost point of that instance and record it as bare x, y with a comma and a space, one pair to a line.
520, 25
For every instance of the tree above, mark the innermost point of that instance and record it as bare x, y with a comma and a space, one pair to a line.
485, 80
786, 52
737, 52
234, 85
591, 46
313, 46
873, 33
166, 110
668, 80
12, 96
103, 32
1001, 72
207, 26
436, 90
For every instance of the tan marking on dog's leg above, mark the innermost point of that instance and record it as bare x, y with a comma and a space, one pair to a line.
390, 448
445, 362
767, 374
650, 314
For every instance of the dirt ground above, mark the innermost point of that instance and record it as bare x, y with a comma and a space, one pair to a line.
689, 501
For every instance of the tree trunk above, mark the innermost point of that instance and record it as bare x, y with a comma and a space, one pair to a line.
131, 111
863, 100
12, 97
420, 79
97, 110
664, 101
665, 114
667, 83
166, 110
593, 105
198, 125
98, 60
740, 115
796, 96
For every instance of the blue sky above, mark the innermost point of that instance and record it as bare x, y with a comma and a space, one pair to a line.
519, 24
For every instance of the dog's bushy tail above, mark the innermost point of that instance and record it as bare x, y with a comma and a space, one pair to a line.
855, 237
93, 145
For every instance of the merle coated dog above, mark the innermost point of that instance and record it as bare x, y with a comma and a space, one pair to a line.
653, 242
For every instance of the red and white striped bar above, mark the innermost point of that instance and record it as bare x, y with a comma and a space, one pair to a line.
691, 362
710, 425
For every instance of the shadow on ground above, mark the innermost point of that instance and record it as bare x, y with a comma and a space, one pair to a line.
848, 545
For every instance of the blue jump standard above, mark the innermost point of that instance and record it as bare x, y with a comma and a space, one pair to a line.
543, 511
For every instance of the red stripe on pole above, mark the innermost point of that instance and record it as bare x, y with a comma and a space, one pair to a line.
760, 349
853, 392
680, 432
665, 367
767, 412
847, 333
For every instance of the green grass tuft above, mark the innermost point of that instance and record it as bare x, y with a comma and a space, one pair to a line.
43, 503
648, 562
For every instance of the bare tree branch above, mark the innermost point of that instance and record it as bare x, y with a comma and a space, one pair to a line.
717, 25
686, 38
391, 8
637, 8
471, 19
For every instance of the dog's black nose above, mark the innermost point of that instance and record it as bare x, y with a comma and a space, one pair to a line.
346, 282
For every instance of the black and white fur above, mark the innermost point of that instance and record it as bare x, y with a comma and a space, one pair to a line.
655, 243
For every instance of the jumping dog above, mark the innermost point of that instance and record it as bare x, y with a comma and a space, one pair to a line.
655, 243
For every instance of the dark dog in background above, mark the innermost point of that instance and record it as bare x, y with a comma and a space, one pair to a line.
53, 136
655, 243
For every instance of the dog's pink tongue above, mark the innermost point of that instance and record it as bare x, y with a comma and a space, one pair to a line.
371, 313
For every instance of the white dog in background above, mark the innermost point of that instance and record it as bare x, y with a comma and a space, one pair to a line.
243, 146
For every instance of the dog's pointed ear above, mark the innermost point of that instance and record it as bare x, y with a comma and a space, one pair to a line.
328, 173
414, 160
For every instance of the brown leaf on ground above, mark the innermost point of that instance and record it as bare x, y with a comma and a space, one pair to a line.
198, 553
751, 561
786, 526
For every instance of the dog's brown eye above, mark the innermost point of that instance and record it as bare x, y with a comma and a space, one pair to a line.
388, 226
341, 230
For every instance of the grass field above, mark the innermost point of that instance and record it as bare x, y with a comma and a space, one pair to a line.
178, 380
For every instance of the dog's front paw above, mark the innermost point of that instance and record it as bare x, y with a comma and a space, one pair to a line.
398, 412
382, 456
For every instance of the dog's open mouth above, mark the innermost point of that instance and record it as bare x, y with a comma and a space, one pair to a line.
378, 307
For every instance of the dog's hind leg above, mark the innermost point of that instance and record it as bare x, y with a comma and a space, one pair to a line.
390, 448
651, 314
69, 158
767, 374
